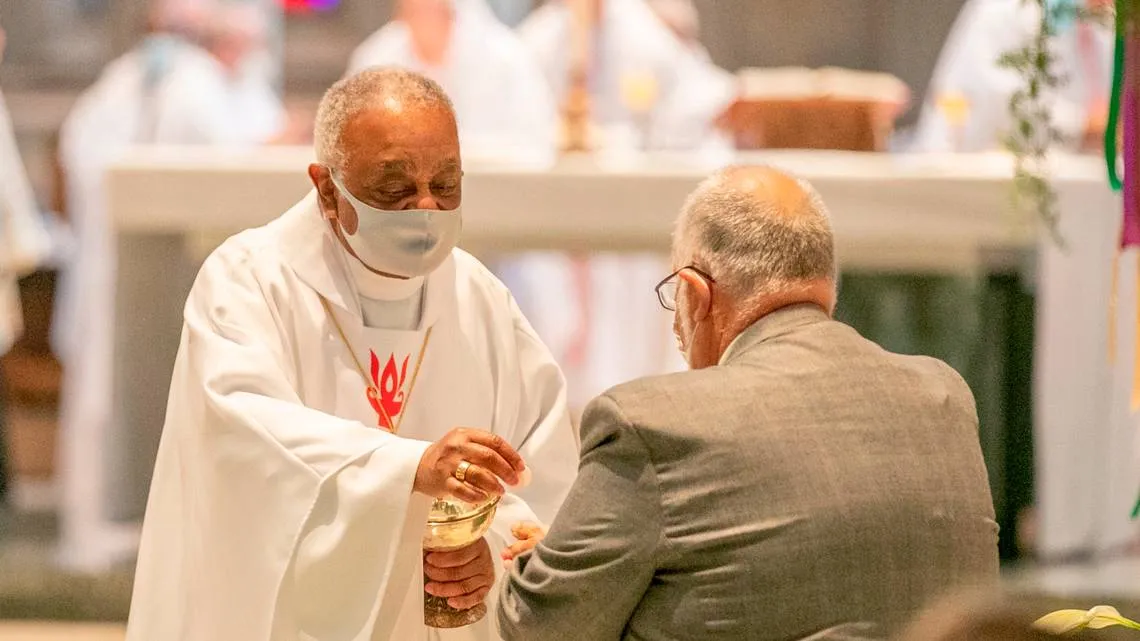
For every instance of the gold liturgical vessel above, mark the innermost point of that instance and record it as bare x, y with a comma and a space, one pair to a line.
453, 525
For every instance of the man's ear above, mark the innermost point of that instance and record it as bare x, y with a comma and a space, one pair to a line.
699, 292
326, 190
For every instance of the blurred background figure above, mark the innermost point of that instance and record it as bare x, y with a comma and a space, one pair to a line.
511, 12
647, 89
24, 246
681, 17
501, 98
236, 36
967, 106
182, 85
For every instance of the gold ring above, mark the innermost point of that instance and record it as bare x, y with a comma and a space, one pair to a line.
461, 471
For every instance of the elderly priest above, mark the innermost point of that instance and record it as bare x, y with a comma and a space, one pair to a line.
799, 483
340, 367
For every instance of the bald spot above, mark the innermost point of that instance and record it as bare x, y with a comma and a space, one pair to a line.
768, 185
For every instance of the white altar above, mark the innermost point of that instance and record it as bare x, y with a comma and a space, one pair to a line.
891, 212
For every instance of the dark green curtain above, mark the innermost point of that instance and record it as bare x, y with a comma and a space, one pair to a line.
983, 328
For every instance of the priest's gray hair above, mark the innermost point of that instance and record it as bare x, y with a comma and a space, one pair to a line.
358, 92
754, 246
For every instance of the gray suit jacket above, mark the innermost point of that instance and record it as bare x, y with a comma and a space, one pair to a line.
811, 486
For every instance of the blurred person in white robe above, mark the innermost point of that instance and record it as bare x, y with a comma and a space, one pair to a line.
501, 98
967, 105
511, 12
327, 360
681, 17
645, 84
177, 87
24, 245
643, 75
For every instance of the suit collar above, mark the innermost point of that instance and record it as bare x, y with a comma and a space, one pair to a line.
773, 325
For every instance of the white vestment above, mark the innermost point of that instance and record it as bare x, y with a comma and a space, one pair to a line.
24, 242
968, 83
502, 102
166, 91
278, 509
634, 46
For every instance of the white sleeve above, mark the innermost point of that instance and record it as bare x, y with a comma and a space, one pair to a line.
543, 435
547, 443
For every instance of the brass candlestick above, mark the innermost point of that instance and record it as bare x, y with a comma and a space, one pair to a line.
576, 115
453, 525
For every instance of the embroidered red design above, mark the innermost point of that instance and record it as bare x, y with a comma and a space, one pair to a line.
388, 397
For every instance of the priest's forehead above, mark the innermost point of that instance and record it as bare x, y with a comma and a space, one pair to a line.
419, 142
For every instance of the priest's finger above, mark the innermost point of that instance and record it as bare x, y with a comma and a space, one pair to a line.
479, 478
448, 574
459, 588
500, 445
454, 559
490, 460
469, 601
463, 491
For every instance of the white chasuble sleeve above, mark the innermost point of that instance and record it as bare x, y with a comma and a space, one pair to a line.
543, 434
268, 519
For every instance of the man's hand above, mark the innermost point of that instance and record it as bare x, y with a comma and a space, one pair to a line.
488, 458
463, 577
529, 535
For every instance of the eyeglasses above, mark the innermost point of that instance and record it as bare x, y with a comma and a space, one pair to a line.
667, 288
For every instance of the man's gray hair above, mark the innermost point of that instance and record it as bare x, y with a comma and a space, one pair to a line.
369, 88
754, 246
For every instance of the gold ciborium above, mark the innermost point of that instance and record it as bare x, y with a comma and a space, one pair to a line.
453, 525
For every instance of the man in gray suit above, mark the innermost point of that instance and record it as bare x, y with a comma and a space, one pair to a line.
799, 483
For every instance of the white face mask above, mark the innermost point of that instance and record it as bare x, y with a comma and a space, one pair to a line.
409, 243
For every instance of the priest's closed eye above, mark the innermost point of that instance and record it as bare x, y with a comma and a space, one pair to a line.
392, 193
445, 187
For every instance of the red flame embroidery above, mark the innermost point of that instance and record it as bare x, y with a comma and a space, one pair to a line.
391, 390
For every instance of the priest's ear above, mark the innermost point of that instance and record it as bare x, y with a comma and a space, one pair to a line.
326, 190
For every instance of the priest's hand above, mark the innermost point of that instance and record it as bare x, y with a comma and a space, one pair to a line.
463, 577
468, 464
527, 535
